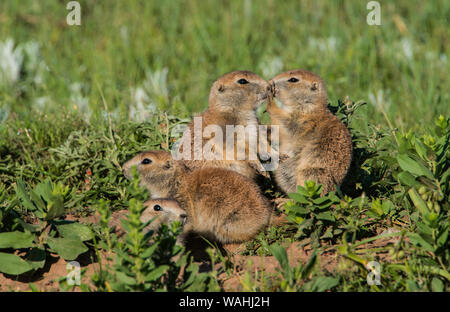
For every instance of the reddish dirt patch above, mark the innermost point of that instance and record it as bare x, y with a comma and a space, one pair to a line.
46, 279
269, 264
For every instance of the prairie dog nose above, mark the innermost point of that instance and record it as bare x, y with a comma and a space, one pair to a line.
272, 87
126, 170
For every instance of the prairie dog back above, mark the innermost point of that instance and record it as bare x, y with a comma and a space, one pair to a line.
220, 204
225, 206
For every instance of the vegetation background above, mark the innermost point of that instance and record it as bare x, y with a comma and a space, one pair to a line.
77, 101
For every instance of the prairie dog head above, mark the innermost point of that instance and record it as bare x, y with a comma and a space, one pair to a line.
165, 210
238, 91
155, 169
299, 91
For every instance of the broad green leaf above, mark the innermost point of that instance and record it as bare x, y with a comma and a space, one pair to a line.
321, 201
421, 149
280, 254
125, 224
325, 216
193, 270
297, 209
44, 189
150, 250
67, 248
302, 191
69, 229
12, 264
403, 144
30, 227
431, 218
310, 265
423, 228
412, 286
55, 208
299, 198
16, 240
413, 166
23, 196
122, 277
437, 285
295, 219
37, 201
156, 273
407, 178
333, 197
418, 202
387, 206
324, 283
319, 189
443, 238
328, 233
418, 240
376, 208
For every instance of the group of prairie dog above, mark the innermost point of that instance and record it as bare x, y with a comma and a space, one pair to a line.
219, 199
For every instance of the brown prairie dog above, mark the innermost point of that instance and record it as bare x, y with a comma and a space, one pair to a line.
152, 208
233, 101
165, 211
317, 144
220, 204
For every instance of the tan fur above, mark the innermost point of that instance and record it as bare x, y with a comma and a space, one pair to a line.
317, 144
231, 103
220, 204
170, 212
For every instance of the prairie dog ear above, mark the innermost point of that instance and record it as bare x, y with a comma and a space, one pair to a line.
221, 88
314, 86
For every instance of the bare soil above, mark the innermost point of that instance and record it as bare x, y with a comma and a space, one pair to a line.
46, 279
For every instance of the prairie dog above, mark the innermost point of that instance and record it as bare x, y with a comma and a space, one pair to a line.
233, 101
220, 204
165, 210
317, 144
152, 208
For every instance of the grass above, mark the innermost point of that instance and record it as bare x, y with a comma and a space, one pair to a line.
404, 59
79, 99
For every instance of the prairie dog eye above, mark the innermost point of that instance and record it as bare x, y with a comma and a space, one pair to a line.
242, 81
157, 208
293, 79
146, 161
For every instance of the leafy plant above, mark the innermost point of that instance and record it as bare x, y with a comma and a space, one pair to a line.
151, 261
295, 278
422, 168
312, 212
424, 171
47, 233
